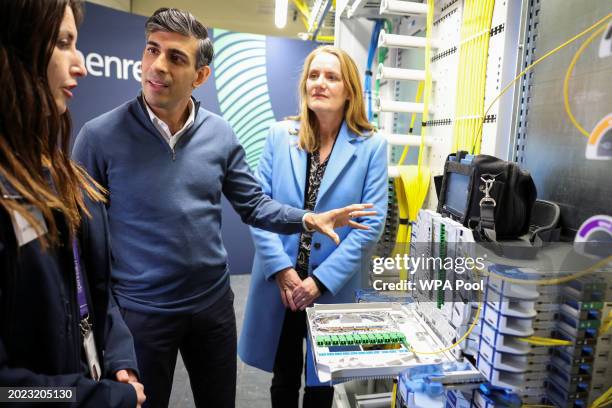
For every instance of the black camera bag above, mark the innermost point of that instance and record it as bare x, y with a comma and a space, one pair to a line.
500, 196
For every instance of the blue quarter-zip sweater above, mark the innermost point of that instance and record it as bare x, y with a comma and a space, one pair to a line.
165, 206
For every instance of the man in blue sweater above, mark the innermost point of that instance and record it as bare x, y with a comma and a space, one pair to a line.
165, 162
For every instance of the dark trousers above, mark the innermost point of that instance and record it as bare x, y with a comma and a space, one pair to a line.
288, 367
207, 342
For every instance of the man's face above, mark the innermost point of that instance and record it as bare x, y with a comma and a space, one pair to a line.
169, 73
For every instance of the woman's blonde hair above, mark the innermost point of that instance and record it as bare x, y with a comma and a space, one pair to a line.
354, 109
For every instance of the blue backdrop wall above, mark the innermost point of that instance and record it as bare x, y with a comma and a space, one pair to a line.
254, 84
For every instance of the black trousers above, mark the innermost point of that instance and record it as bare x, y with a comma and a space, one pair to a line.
207, 342
288, 367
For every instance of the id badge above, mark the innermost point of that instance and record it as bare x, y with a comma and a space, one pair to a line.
23, 230
89, 345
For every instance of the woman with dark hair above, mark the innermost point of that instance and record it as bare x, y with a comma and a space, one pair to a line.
328, 156
59, 324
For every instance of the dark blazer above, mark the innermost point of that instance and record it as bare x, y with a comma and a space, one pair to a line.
40, 342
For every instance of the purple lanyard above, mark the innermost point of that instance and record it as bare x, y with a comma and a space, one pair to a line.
83, 309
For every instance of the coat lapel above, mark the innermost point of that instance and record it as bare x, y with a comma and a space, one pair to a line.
340, 157
298, 163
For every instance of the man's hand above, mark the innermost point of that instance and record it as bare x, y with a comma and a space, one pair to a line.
126, 376
326, 222
287, 280
306, 293
129, 377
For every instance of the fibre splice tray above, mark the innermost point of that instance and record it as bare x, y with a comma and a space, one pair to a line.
375, 340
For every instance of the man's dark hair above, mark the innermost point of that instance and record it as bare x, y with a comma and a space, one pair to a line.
173, 20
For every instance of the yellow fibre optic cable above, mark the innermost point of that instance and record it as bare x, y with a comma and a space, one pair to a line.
415, 180
603, 399
303, 9
427, 92
605, 403
471, 78
568, 74
608, 325
402, 237
465, 335
481, 46
545, 341
601, 404
536, 62
483, 74
423, 175
412, 181
394, 394
417, 98
555, 281
325, 38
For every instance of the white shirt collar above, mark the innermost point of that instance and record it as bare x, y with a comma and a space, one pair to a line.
163, 128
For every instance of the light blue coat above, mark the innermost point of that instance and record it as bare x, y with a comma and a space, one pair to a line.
356, 173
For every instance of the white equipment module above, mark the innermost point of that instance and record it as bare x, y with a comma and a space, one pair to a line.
376, 340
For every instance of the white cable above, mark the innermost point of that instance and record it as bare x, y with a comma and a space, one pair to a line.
399, 73
402, 8
384, 105
393, 171
400, 41
404, 140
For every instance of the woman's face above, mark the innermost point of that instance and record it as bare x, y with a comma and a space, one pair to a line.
325, 92
66, 64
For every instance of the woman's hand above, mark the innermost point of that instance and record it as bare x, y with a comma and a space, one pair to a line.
326, 222
287, 280
305, 293
128, 376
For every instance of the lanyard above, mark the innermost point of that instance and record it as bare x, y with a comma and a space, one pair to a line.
81, 298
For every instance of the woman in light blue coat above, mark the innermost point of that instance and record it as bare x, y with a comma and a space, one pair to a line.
327, 157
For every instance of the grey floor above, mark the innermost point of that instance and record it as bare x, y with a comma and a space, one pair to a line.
252, 384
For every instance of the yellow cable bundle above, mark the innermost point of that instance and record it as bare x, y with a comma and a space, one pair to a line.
402, 238
568, 74
412, 184
471, 77
604, 400
603, 20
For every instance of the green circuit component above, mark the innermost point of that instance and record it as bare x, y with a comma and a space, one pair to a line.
589, 324
360, 338
323, 341
441, 271
591, 305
